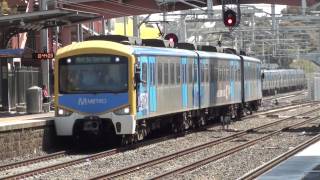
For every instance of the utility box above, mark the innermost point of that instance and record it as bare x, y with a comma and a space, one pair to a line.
34, 100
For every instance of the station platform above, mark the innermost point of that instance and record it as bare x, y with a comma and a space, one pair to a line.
304, 165
22, 134
17, 121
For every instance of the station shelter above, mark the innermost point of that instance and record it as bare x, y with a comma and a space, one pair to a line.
21, 39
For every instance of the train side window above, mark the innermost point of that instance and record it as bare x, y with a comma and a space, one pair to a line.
224, 74
207, 72
190, 73
166, 73
172, 74
228, 73
202, 71
183, 73
153, 74
159, 73
178, 73
215, 73
144, 72
151, 70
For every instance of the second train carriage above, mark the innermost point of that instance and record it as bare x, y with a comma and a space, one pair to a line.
151, 87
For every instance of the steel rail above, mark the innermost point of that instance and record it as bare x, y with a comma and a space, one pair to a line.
279, 109
84, 159
171, 156
289, 95
265, 167
33, 160
231, 151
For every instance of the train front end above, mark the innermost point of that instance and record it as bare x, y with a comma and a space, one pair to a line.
94, 93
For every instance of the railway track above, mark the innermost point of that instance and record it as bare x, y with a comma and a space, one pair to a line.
166, 158
280, 109
264, 168
286, 96
33, 160
72, 162
231, 151
115, 151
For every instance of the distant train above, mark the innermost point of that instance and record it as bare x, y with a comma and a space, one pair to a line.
125, 92
282, 80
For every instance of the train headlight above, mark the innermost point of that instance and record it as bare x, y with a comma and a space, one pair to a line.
122, 111
63, 112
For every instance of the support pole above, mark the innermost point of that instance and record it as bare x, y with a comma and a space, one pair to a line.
103, 26
209, 9
125, 26
303, 7
164, 31
135, 26
109, 29
273, 16
183, 31
44, 48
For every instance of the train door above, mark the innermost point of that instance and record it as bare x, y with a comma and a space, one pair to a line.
142, 90
196, 84
232, 79
147, 101
184, 87
152, 84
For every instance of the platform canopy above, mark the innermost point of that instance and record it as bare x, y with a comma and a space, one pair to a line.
35, 21
120, 8
44, 19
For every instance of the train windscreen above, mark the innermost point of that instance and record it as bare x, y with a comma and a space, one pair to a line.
93, 74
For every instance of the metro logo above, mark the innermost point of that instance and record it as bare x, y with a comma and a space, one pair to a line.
91, 101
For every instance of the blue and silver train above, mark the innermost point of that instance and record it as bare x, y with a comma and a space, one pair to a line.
282, 80
116, 90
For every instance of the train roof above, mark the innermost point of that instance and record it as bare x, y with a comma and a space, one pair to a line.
99, 46
247, 58
141, 50
94, 46
206, 54
282, 70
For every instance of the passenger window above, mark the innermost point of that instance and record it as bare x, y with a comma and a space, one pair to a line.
159, 73
178, 73
172, 74
190, 73
144, 71
211, 76
202, 70
166, 74
151, 74
207, 72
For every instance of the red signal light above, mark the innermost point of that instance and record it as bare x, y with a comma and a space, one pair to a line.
172, 38
230, 18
